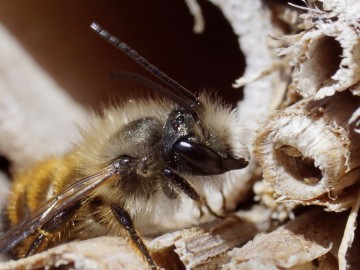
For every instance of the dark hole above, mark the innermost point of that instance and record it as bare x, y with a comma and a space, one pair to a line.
328, 48
300, 167
5, 165
324, 60
168, 259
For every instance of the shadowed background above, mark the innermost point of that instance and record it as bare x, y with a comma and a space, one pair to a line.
58, 36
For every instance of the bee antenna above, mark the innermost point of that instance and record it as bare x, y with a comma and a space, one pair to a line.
192, 104
147, 83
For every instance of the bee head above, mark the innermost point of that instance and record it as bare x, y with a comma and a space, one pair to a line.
187, 147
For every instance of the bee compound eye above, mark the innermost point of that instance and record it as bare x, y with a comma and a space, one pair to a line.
200, 157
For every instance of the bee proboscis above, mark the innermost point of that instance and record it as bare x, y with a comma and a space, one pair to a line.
137, 165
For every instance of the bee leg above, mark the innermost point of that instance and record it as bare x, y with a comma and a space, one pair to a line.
125, 220
180, 183
185, 186
50, 227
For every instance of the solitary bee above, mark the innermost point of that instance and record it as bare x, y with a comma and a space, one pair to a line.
137, 165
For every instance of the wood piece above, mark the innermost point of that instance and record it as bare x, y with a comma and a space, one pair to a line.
298, 243
205, 246
104, 253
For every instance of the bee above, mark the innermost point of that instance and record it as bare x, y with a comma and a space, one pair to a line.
139, 163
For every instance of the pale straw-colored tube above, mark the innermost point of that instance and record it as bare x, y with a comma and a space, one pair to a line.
310, 149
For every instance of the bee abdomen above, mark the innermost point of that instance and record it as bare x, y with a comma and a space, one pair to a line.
30, 190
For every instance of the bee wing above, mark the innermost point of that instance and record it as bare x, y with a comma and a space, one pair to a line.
53, 207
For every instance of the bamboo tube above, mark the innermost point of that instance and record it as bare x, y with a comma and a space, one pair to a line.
325, 55
309, 152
